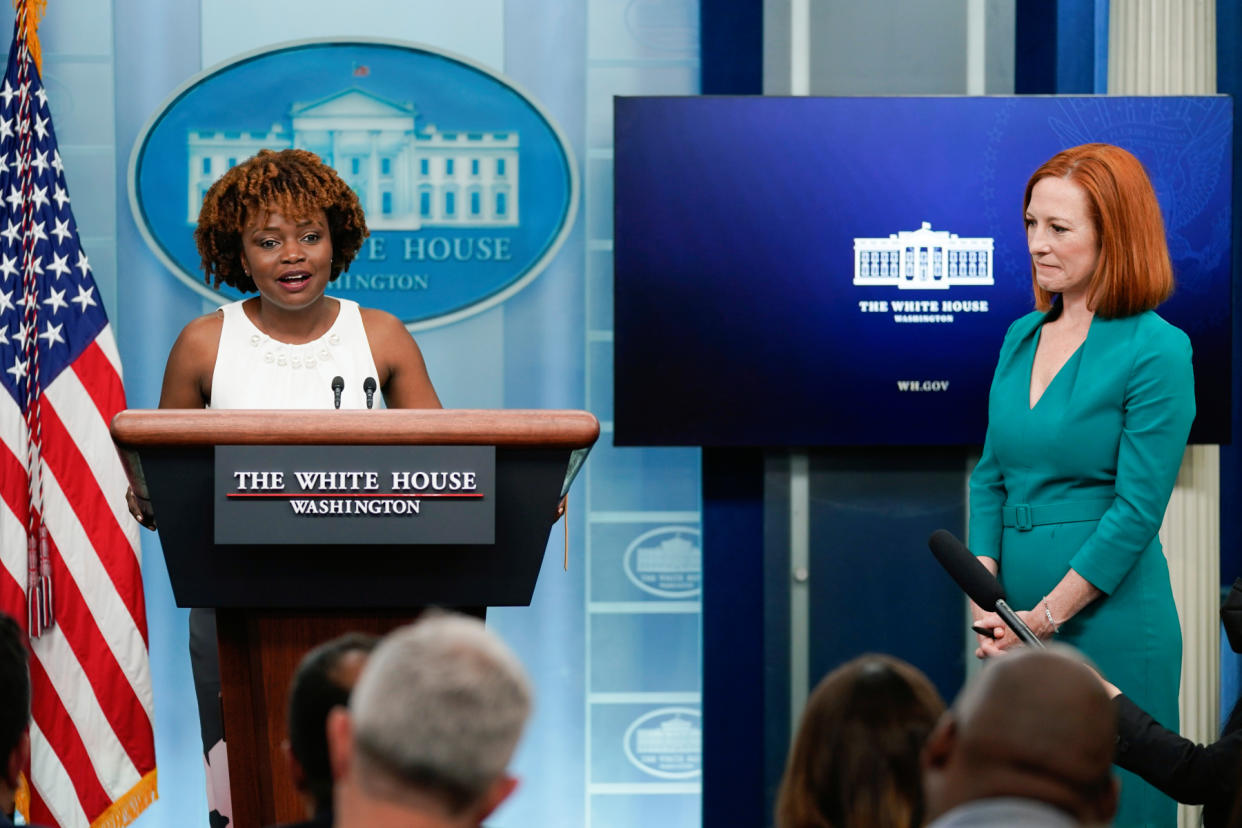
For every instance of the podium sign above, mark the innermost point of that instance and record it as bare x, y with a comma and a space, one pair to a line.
283, 580
356, 495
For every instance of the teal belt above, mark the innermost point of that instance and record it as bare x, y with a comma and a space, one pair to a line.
1025, 516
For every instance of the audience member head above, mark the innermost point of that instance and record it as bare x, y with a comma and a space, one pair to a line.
14, 708
431, 727
323, 681
1034, 725
295, 183
855, 759
1133, 273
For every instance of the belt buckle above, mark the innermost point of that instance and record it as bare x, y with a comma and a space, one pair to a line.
1022, 517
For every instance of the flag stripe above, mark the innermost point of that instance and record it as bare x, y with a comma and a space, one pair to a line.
54, 720
93, 663
102, 533
39, 813
13, 468
99, 379
13, 537
51, 786
103, 604
66, 676
72, 394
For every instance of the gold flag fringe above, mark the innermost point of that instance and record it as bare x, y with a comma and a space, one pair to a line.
21, 801
31, 11
119, 814
127, 808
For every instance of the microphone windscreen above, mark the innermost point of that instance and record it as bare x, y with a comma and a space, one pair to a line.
368, 385
973, 577
338, 383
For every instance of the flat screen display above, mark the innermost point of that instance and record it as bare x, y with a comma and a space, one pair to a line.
842, 271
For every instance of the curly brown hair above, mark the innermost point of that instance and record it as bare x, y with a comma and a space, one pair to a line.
293, 182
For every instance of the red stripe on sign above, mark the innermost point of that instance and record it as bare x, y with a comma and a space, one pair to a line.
339, 495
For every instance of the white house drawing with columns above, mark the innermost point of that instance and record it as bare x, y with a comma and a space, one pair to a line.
923, 259
406, 177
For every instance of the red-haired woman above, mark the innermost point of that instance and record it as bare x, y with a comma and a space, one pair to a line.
855, 760
1088, 416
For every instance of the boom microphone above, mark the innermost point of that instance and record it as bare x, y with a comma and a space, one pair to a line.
338, 385
979, 585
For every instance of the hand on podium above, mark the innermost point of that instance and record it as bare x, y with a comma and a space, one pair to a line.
140, 509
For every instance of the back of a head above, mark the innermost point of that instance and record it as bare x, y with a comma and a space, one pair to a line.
855, 758
438, 711
321, 683
14, 685
1037, 724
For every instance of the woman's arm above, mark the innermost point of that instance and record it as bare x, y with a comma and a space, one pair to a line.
402, 373
1188, 772
187, 384
1158, 409
187, 374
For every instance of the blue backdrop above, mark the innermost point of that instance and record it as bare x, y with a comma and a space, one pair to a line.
613, 644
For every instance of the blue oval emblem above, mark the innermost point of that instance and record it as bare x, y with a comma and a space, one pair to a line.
468, 186
667, 743
667, 562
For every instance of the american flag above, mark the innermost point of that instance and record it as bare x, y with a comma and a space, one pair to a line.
71, 560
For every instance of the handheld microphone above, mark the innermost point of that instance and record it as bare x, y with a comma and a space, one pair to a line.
979, 584
338, 385
368, 388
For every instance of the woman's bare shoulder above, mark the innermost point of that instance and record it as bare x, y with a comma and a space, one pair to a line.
205, 330
191, 362
403, 374
381, 322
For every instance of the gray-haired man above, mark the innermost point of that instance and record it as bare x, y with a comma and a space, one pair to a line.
431, 727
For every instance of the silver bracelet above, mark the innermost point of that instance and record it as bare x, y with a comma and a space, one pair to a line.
1056, 628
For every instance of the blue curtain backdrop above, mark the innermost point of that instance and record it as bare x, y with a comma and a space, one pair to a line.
616, 663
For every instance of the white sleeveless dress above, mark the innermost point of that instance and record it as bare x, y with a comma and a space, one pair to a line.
253, 370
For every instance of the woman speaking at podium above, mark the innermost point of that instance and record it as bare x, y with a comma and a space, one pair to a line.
1088, 416
282, 225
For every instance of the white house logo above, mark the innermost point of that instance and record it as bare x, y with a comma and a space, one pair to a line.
468, 186
667, 743
923, 259
667, 562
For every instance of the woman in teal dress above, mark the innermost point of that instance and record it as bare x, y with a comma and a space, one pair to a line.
1088, 416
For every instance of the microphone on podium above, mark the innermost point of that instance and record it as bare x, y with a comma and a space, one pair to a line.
338, 385
979, 584
368, 388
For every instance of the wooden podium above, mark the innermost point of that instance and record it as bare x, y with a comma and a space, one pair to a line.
276, 600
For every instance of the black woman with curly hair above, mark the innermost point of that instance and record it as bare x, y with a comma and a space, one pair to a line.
282, 225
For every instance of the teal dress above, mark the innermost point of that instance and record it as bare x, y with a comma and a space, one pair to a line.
1081, 482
